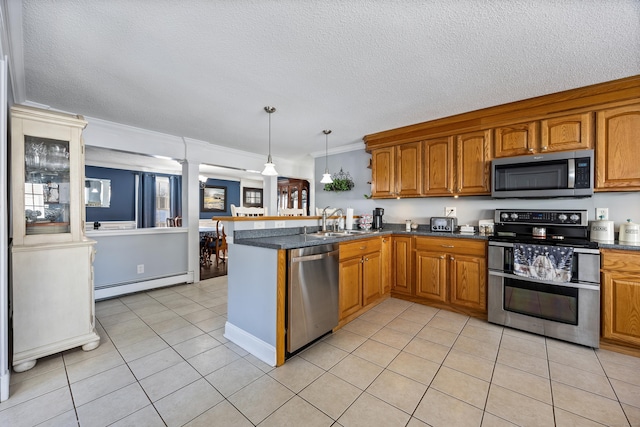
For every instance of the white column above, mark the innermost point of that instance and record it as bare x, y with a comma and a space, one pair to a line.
5, 371
191, 215
270, 194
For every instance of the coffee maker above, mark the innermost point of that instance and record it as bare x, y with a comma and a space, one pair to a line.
377, 218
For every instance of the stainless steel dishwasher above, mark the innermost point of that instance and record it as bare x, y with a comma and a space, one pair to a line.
312, 294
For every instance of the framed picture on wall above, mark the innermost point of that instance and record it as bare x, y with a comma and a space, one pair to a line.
252, 197
213, 198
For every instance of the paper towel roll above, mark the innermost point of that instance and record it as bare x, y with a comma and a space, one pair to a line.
349, 222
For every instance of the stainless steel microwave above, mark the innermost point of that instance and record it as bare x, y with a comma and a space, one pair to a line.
560, 174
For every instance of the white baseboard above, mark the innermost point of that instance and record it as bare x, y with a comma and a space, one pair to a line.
115, 291
5, 378
260, 349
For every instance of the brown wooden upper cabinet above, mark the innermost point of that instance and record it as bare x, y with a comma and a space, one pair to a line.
438, 171
383, 183
618, 149
409, 169
397, 171
573, 132
516, 140
457, 165
473, 161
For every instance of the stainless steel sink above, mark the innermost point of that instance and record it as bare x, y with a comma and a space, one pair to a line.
345, 233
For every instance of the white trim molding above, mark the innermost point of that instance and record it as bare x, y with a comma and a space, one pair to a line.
260, 349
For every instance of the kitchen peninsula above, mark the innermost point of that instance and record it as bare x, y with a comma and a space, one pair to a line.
257, 280
257, 269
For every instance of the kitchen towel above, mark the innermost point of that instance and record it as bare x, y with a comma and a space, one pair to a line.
551, 263
349, 221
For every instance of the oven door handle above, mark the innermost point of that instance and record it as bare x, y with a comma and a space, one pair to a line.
593, 287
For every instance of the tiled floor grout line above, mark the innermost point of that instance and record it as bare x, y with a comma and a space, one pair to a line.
615, 393
380, 324
68, 385
181, 356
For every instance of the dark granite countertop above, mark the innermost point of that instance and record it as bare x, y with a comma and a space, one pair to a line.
619, 245
288, 238
292, 238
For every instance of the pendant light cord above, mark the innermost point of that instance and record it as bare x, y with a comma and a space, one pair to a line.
326, 150
269, 110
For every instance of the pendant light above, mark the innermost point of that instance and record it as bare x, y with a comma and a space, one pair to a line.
326, 177
269, 167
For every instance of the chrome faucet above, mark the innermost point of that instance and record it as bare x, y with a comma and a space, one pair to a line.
324, 219
336, 223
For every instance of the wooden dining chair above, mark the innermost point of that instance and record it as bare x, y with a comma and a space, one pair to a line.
242, 211
206, 242
220, 243
291, 212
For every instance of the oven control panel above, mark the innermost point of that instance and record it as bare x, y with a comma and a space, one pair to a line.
547, 217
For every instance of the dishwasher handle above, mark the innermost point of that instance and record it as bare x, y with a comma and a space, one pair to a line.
314, 257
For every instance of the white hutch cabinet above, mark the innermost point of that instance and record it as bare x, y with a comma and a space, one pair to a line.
51, 259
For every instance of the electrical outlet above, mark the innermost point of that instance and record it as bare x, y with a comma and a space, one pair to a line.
258, 225
450, 211
602, 213
140, 268
279, 224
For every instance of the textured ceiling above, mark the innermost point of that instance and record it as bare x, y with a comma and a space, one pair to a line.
204, 69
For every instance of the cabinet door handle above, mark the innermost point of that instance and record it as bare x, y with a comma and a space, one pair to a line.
442, 257
448, 246
530, 150
366, 259
362, 261
544, 148
384, 240
452, 259
362, 248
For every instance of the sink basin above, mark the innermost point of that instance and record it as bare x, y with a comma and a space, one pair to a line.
345, 233
322, 234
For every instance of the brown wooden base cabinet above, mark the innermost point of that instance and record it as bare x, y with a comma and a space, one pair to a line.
621, 296
401, 270
452, 270
360, 273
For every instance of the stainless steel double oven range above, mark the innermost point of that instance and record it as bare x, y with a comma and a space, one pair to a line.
544, 274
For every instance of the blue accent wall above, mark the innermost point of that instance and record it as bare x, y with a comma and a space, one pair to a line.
233, 197
122, 206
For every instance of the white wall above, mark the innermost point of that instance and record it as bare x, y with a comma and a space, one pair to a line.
469, 209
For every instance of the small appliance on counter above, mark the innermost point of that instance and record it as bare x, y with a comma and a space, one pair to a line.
377, 218
446, 224
601, 231
629, 233
486, 226
467, 229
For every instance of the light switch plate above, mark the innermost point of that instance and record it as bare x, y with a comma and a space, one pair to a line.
602, 213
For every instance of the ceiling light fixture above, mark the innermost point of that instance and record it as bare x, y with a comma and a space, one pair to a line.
326, 177
269, 167
202, 180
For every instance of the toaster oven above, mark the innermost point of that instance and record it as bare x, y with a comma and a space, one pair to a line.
445, 224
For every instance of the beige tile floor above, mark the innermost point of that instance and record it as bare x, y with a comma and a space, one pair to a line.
164, 361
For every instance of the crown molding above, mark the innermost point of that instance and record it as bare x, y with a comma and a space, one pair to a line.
338, 150
13, 47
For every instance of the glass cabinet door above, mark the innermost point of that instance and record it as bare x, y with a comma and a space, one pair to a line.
46, 186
